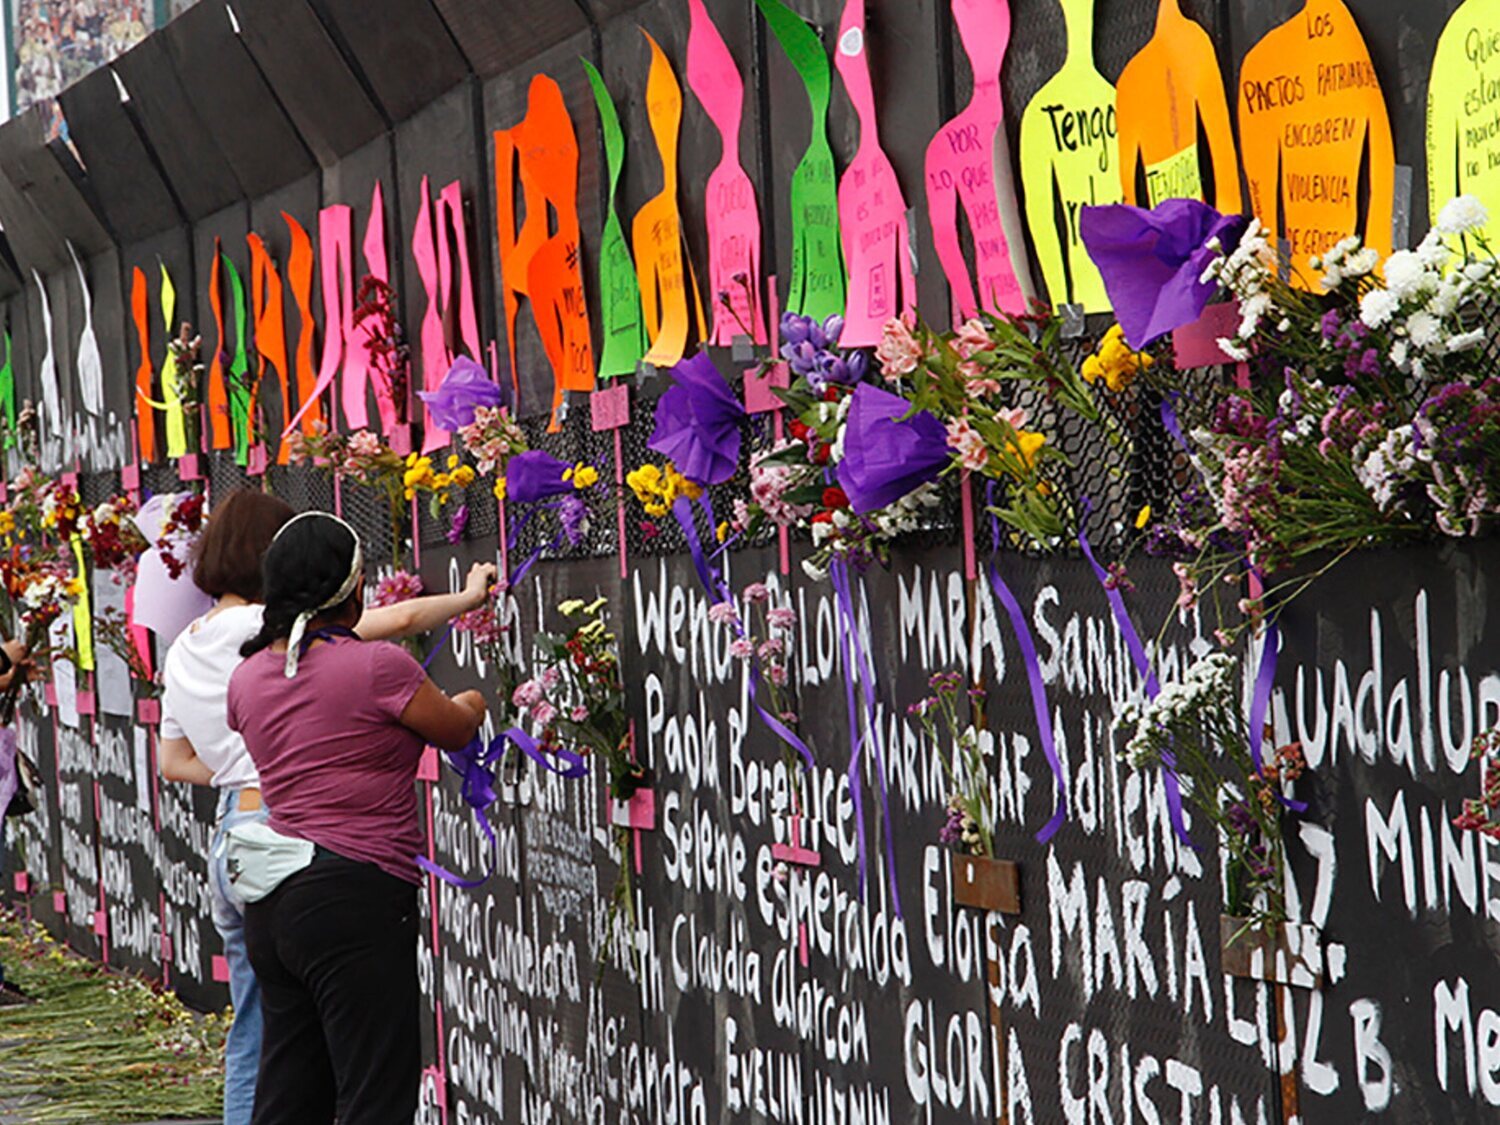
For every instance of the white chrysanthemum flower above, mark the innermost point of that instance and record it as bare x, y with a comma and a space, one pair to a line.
1377, 308
1461, 215
1362, 263
1234, 351
1465, 341
1424, 330
1399, 353
1405, 274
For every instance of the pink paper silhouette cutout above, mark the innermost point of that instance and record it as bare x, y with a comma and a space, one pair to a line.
450, 221
961, 168
872, 210
356, 377
436, 359
731, 210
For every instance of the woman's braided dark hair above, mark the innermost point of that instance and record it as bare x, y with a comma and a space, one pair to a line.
305, 566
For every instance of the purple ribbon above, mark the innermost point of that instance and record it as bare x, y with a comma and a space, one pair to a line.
476, 765
1027, 644
1170, 422
857, 662
1260, 703
713, 582
1142, 665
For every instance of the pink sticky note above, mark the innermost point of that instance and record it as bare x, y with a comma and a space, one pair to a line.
759, 398
220, 970
638, 813
428, 769
187, 467
610, 408
731, 210
59, 902
872, 209
148, 711
166, 949
49, 693
22, 882
1197, 344
399, 438
140, 636
434, 1076
961, 168
101, 923
433, 351
85, 703
256, 466
130, 479
69, 480
5, 491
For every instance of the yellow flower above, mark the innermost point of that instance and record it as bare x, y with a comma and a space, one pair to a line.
645, 482
1143, 518
74, 587
453, 460
1115, 363
7, 523
585, 476
500, 489
570, 607
722, 531
1027, 446
463, 476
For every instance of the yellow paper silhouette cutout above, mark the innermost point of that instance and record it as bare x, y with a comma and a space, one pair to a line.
1463, 109
661, 262
1069, 160
1171, 86
1310, 111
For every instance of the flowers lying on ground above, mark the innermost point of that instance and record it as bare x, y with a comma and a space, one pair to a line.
970, 813
1195, 728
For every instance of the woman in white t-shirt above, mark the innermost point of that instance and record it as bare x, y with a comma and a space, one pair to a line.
198, 747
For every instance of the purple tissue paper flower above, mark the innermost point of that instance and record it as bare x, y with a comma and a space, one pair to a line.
886, 457
698, 423
534, 475
1152, 262
465, 388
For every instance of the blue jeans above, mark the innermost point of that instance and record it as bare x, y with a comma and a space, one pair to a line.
242, 1046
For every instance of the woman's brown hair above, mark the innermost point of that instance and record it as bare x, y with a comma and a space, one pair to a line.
227, 556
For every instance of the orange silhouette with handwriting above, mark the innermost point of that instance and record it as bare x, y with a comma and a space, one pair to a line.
1311, 116
1170, 95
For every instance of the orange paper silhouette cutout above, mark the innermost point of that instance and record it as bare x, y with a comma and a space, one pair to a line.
1310, 112
540, 265
299, 271
269, 316
219, 430
145, 415
661, 261
1167, 91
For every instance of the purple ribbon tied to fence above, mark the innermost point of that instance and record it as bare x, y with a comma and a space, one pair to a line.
1142, 662
476, 765
1027, 644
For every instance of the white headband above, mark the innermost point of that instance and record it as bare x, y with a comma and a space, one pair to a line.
351, 582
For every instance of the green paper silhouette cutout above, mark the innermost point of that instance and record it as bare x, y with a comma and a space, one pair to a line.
8, 393
239, 367
817, 282
624, 329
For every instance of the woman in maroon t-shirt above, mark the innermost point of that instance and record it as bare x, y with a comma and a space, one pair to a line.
336, 727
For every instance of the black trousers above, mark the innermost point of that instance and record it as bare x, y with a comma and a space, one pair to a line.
335, 950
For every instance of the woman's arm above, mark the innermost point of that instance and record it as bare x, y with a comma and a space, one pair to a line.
422, 615
448, 724
180, 762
